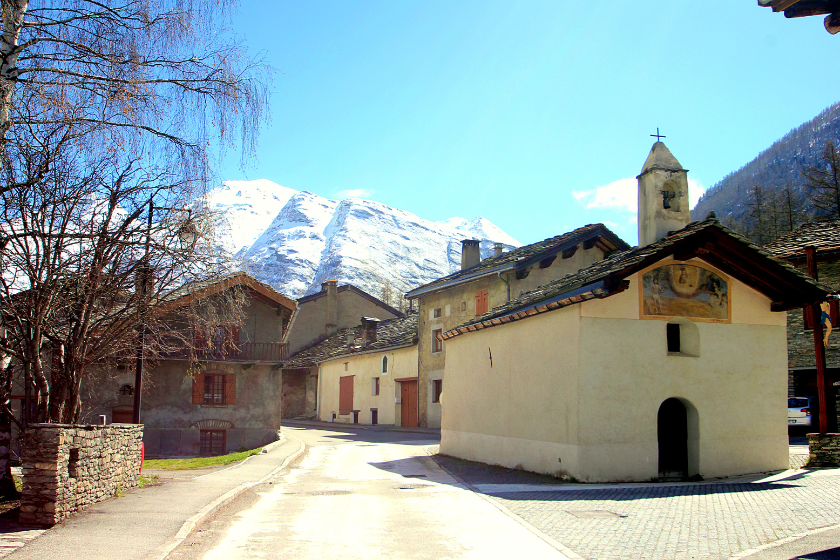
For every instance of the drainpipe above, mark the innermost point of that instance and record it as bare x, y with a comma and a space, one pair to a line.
502, 278
318, 398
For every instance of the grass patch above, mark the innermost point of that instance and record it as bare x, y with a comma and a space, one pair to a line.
199, 462
144, 480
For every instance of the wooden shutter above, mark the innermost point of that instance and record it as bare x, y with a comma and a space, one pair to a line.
230, 389
480, 302
198, 389
345, 394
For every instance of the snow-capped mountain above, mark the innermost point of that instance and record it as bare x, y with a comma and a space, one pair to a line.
295, 240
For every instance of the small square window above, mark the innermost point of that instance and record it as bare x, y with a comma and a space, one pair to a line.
437, 390
437, 312
437, 344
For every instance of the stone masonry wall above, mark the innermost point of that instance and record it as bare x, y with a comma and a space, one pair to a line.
824, 450
66, 468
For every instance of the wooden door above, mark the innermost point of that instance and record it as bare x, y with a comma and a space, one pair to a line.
408, 408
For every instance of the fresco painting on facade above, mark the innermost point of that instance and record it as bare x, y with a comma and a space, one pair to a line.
676, 289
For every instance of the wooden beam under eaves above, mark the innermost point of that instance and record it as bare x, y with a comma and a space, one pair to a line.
782, 5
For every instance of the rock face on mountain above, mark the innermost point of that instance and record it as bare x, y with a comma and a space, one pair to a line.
779, 165
295, 240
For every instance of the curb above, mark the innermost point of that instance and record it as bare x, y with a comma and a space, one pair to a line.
564, 551
781, 542
189, 525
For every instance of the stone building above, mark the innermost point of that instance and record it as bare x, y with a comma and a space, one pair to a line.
664, 360
824, 237
216, 395
365, 374
481, 285
320, 315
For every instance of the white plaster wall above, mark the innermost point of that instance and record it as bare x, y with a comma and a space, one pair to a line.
402, 363
505, 414
577, 391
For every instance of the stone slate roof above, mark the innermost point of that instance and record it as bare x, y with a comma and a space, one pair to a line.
823, 234
206, 288
391, 333
660, 157
730, 252
523, 257
355, 290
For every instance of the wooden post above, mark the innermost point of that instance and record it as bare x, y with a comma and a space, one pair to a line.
819, 349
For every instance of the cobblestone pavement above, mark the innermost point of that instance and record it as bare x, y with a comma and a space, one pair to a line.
708, 520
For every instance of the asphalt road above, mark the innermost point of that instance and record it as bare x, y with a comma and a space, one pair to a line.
364, 495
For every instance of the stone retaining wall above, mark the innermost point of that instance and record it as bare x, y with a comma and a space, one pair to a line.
66, 468
824, 450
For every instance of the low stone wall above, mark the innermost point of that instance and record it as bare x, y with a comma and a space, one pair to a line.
824, 450
66, 468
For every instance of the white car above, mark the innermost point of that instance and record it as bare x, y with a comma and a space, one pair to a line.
801, 411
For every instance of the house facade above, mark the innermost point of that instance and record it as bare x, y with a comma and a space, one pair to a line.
219, 394
320, 315
366, 374
481, 285
628, 369
824, 237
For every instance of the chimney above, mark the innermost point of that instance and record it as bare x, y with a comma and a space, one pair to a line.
331, 322
497, 249
470, 253
369, 325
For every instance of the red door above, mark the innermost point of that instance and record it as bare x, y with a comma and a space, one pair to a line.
408, 408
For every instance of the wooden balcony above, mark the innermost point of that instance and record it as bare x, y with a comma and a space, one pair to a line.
253, 352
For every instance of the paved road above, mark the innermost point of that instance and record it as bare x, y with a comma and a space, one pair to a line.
365, 495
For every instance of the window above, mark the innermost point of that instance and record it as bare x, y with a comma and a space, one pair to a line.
384, 364
212, 442
436, 313
806, 312
374, 386
346, 364
437, 390
463, 306
214, 389
673, 335
481, 302
437, 344
345, 394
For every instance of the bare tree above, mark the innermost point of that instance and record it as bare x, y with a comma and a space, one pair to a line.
824, 182
108, 110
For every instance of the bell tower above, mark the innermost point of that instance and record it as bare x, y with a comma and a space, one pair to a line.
663, 195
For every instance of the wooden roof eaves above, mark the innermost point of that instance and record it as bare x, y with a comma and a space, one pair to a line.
533, 311
414, 294
227, 283
603, 239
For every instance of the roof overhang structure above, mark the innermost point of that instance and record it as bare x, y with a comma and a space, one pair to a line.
729, 252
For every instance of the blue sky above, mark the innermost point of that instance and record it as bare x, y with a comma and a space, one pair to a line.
536, 115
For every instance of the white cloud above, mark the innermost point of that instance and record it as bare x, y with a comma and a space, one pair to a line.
354, 193
618, 195
623, 195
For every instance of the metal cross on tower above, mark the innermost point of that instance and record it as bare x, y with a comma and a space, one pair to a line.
658, 136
